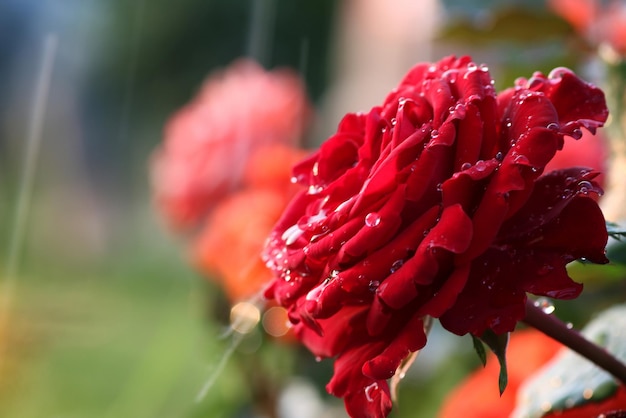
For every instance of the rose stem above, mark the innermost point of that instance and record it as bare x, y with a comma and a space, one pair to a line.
557, 330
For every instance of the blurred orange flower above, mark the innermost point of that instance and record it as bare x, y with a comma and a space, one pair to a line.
230, 244
209, 141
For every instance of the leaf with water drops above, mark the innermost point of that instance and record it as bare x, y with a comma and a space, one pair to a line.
568, 380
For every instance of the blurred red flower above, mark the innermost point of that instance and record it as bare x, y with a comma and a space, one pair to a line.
208, 142
228, 247
434, 204
601, 22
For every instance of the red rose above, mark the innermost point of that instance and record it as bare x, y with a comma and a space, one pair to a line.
434, 205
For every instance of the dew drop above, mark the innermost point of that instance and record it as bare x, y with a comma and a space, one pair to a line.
372, 219
439, 187
292, 234
588, 393
569, 325
318, 359
396, 265
316, 168
521, 159
459, 111
370, 390
553, 126
373, 285
499, 156
315, 189
576, 133
466, 166
434, 134
585, 187
480, 166
545, 305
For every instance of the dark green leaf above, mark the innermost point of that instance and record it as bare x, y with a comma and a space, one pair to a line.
480, 350
497, 344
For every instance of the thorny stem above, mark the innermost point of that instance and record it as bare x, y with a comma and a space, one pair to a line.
557, 330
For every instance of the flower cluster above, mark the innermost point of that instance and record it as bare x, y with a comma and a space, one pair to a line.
435, 204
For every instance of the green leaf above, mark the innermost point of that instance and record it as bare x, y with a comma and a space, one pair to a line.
480, 350
497, 344
570, 381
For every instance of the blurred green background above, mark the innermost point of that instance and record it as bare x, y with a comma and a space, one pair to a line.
105, 316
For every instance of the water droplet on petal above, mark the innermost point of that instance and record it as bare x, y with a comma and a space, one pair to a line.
370, 391
553, 126
585, 187
372, 219
439, 187
459, 111
480, 166
521, 159
499, 156
466, 166
315, 189
434, 134
292, 234
396, 265
373, 285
